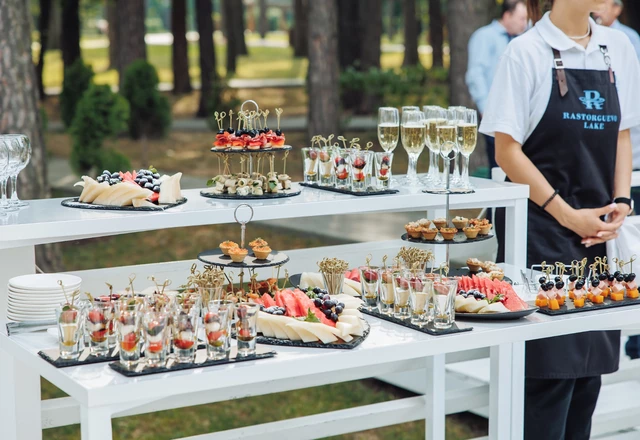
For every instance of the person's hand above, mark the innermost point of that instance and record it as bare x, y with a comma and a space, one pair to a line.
588, 225
615, 217
622, 210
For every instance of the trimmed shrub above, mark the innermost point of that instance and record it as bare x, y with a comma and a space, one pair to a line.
77, 79
150, 112
100, 114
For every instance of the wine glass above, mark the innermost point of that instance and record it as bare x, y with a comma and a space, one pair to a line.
458, 112
388, 128
434, 116
467, 140
413, 141
447, 141
11, 150
23, 156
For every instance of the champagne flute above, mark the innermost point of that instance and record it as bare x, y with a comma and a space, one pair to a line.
459, 113
413, 141
447, 140
467, 140
434, 116
388, 128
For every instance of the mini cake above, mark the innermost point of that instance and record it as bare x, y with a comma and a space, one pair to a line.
258, 242
448, 233
261, 252
474, 265
471, 231
226, 246
413, 230
485, 229
497, 275
424, 223
429, 233
238, 254
460, 222
440, 223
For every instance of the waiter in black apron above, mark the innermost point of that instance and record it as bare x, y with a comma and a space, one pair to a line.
560, 108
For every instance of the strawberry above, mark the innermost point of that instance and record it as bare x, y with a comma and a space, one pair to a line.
213, 337
383, 171
324, 156
183, 344
155, 347
244, 333
129, 342
68, 316
210, 317
370, 276
343, 175
99, 335
313, 155
359, 176
96, 316
359, 163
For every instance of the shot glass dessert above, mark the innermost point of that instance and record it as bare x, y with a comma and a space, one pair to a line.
387, 291
185, 334
359, 161
421, 292
326, 167
128, 331
384, 161
216, 324
99, 322
155, 329
70, 328
246, 328
401, 288
310, 164
341, 168
444, 294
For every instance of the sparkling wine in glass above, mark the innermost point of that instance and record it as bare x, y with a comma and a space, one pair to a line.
413, 141
458, 116
447, 137
388, 128
434, 117
467, 140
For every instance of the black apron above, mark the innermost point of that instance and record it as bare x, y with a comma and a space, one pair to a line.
574, 146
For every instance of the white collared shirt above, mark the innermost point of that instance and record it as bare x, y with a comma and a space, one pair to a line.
522, 85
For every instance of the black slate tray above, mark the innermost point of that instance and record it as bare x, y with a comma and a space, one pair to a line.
507, 316
217, 258
464, 271
247, 151
569, 308
201, 361
429, 329
448, 191
375, 192
53, 357
459, 238
336, 345
74, 203
279, 195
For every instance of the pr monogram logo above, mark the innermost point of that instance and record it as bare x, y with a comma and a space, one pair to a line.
592, 100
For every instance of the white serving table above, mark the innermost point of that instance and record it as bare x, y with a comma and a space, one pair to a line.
102, 393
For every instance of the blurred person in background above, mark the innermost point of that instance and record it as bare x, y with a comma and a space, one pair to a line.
486, 46
609, 17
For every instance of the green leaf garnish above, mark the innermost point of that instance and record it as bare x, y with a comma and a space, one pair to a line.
311, 317
152, 169
210, 182
497, 298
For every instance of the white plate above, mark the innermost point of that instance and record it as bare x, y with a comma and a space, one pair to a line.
36, 298
33, 304
27, 317
57, 291
31, 310
43, 281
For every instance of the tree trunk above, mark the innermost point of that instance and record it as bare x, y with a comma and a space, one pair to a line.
239, 27
232, 50
112, 32
436, 32
180, 47
371, 26
19, 108
43, 26
632, 14
204, 22
349, 33
70, 31
300, 26
130, 30
410, 34
263, 24
323, 76
55, 26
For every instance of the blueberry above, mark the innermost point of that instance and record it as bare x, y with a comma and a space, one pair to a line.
115, 175
579, 285
278, 133
238, 133
632, 276
611, 278
113, 181
316, 290
149, 185
462, 292
602, 276
327, 313
324, 291
220, 131
317, 302
253, 133
341, 304
100, 179
573, 278
557, 279
326, 298
560, 285
230, 130
334, 317
616, 273
304, 290
143, 180
327, 305
339, 309
267, 129
542, 280
619, 278
550, 285
279, 313
156, 189
142, 171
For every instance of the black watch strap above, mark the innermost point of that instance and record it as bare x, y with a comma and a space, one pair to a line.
624, 200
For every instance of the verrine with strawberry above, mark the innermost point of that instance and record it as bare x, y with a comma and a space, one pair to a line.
185, 334
155, 329
326, 166
216, 328
310, 164
69, 318
387, 291
360, 162
128, 316
370, 282
401, 286
341, 168
444, 294
246, 328
99, 323
383, 161
420, 292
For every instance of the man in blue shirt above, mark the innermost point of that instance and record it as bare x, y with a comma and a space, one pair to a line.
485, 49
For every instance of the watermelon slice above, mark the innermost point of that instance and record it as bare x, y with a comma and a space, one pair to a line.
290, 304
278, 299
257, 300
306, 304
268, 301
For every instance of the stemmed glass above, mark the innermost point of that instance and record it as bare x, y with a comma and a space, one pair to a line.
8, 157
434, 117
458, 112
23, 156
388, 128
413, 141
467, 139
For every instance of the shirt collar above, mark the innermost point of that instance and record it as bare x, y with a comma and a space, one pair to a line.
557, 39
499, 27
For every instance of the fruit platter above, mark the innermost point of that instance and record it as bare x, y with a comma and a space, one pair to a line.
489, 299
601, 288
441, 231
142, 190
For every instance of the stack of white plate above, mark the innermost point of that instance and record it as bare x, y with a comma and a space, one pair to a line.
35, 297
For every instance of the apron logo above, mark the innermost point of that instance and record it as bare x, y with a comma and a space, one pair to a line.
592, 100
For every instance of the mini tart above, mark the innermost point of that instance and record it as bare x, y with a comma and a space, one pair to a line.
485, 229
448, 233
471, 232
261, 252
258, 242
424, 223
413, 230
440, 223
460, 222
238, 254
429, 233
226, 246
474, 265
497, 275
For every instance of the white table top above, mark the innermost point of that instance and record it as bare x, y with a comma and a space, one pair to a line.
46, 221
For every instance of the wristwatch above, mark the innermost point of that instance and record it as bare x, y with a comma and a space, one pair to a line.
626, 201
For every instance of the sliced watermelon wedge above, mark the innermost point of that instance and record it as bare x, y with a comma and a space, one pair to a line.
278, 299
306, 304
268, 301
